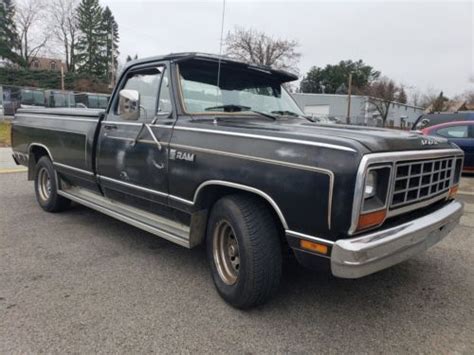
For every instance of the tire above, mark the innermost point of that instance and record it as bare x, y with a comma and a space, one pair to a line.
46, 188
244, 224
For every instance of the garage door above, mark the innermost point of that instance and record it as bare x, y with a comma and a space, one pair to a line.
317, 110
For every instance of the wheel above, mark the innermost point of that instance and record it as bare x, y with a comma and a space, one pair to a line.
244, 251
46, 188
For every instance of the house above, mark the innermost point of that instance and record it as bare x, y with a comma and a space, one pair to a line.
362, 111
40, 63
452, 106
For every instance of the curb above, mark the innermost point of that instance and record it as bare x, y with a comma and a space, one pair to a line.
13, 170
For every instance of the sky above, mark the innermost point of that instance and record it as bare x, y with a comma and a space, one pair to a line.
424, 45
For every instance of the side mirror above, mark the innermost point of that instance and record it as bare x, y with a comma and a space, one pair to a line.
129, 105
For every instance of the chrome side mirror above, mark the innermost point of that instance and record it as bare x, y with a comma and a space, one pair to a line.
129, 105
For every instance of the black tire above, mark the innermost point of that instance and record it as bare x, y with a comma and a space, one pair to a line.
258, 245
47, 195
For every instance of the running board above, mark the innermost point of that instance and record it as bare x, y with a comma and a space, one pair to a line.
165, 228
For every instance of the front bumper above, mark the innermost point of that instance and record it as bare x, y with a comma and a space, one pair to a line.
364, 255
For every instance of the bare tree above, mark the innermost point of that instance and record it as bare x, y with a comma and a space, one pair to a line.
415, 98
64, 25
256, 47
382, 93
30, 22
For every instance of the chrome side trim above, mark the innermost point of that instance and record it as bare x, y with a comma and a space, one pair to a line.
41, 146
59, 118
275, 162
268, 138
127, 219
390, 157
85, 172
133, 186
308, 237
135, 124
245, 188
122, 123
180, 199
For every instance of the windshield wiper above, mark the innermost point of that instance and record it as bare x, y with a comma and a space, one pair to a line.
286, 113
293, 114
263, 114
239, 108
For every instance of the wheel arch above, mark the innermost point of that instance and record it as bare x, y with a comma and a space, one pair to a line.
35, 152
210, 191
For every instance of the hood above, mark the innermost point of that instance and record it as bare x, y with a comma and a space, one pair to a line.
358, 137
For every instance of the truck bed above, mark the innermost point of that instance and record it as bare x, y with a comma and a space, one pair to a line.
67, 135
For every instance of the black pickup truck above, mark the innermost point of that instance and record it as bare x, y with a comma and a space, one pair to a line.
200, 149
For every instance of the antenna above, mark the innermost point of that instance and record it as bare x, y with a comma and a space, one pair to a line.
220, 50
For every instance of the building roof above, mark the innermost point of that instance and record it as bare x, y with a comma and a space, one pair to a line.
356, 96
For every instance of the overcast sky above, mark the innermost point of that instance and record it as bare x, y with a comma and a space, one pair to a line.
424, 44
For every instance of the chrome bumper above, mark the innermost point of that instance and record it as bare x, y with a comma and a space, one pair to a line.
364, 255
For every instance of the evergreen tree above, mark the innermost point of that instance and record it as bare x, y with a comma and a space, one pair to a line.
90, 56
402, 96
9, 40
110, 26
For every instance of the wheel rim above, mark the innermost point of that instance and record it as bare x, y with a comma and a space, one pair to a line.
44, 184
226, 253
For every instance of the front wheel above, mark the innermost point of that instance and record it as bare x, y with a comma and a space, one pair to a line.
46, 187
244, 250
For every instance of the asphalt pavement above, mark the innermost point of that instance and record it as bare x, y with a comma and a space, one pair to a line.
82, 282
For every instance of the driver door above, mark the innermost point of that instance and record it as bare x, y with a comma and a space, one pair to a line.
132, 160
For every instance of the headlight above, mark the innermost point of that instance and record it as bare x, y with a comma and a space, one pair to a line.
376, 188
370, 184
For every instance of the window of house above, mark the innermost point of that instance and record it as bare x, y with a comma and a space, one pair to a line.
35, 64
52, 65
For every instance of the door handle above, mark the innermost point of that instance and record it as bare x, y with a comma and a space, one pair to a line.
110, 126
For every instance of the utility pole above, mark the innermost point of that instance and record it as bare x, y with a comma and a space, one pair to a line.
62, 77
349, 91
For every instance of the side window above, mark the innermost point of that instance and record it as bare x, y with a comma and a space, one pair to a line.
454, 132
164, 104
146, 82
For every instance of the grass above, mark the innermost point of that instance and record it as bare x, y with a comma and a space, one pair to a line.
5, 129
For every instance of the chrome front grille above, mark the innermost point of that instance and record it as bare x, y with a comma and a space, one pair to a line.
420, 180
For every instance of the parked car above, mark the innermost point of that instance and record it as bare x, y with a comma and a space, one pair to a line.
32, 98
11, 99
92, 100
462, 134
59, 98
432, 119
228, 160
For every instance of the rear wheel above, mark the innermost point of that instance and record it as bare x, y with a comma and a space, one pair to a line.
244, 250
46, 188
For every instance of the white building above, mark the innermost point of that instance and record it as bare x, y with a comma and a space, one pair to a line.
362, 110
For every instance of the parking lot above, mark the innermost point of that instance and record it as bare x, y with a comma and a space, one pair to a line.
82, 282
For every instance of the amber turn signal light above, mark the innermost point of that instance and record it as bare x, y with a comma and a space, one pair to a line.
371, 219
453, 191
314, 247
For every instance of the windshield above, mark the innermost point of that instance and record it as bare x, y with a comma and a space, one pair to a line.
239, 90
